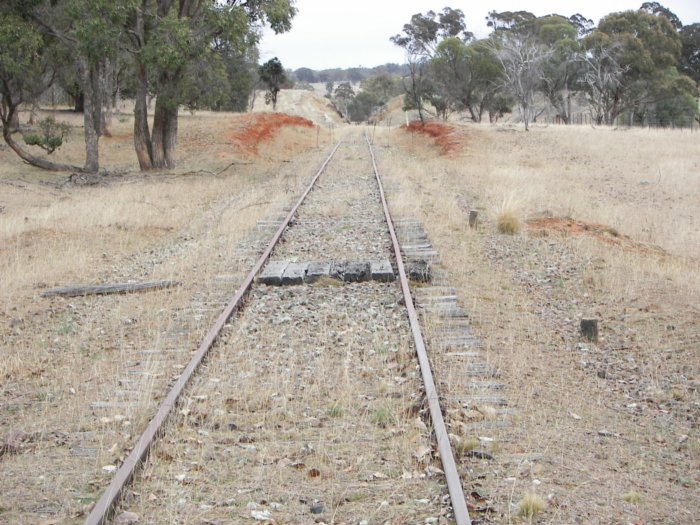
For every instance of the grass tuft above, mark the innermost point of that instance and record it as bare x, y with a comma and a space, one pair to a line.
507, 221
464, 446
335, 411
530, 506
383, 417
632, 497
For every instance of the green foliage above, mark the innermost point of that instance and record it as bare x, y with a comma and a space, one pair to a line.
24, 72
273, 77
508, 20
344, 92
655, 8
95, 25
329, 89
421, 38
671, 99
51, 134
630, 65
382, 87
22, 58
646, 42
362, 106
690, 51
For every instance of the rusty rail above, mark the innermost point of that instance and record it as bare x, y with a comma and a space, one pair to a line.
454, 485
107, 503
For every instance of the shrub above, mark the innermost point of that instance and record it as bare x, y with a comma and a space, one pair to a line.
51, 135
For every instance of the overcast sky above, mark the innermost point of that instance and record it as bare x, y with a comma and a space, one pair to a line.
335, 33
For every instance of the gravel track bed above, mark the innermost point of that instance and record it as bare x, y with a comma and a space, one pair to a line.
309, 409
342, 218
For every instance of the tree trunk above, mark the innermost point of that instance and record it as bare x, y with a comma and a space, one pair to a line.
142, 134
14, 122
106, 86
33, 113
92, 117
79, 102
170, 138
157, 151
164, 136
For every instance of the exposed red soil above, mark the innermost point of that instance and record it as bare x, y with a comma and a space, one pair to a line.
262, 127
575, 228
444, 135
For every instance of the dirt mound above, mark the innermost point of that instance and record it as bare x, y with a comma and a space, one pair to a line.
444, 135
262, 127
303, 103
567, 226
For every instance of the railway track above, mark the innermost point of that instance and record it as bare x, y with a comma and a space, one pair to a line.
307, 403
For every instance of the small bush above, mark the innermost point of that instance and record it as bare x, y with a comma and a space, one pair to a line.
530, 506
51, 135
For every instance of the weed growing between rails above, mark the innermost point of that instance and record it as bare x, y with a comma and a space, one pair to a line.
606, 419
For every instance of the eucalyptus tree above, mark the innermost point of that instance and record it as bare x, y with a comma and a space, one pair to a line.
32, 56
25, 72
655, 8
272, 76
343, 96
469, 74
630, 66
690, 56
522, 59
420, 39
559, 74
170, 40
81, 36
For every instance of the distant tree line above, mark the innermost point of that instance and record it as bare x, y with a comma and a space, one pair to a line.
353, 75
193, 53
641, 65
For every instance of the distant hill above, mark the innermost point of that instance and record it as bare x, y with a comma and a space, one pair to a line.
303, 103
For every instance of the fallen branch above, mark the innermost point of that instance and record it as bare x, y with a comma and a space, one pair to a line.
104, 289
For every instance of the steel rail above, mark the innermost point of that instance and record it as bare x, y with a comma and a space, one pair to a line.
454, 485
107, 503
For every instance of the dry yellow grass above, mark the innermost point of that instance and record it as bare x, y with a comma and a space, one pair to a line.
507, 220
59, 357
602, 418
599, 417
